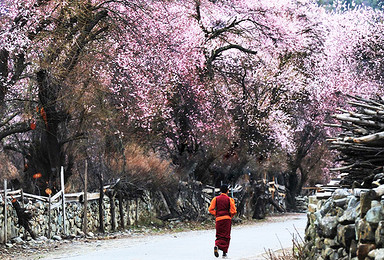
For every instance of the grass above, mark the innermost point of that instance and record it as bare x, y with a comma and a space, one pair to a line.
294, 253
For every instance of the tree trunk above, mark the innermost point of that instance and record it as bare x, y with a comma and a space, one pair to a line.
259, 208
292, 190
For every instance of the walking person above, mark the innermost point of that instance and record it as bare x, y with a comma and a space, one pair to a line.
223, 208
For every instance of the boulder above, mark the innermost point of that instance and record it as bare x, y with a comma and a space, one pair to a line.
342, 252
332, 243
317, 217
340, 194
17, 240
366, 232
326, 207
313, 199
363, 250
379, 254
375, 203
372, 254
379, 234
312, 207
327, 252
328, 226
353, 202
374, 215
345, 234
42, 238
349, 216
378, 176
353, 249
56, 237
365, 203
341, 202
319, 243
310, 233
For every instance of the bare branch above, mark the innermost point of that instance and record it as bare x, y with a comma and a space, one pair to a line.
82, 40
8, 119
78, 136
216, 53
15, 129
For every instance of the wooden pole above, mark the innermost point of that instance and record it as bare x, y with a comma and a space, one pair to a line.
101, 215
85, 217
121, 210
165, 203
22, 197
128, 213
63, 197
49, 215
136, 211
113, 210
22, 205
5, 212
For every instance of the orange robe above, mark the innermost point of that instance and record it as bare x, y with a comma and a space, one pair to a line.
223, 208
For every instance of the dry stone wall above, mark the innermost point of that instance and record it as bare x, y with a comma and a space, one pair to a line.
348, 225
135, 211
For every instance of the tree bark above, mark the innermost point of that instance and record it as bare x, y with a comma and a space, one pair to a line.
292, 189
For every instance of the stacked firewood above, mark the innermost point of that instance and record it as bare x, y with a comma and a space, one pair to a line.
361, 142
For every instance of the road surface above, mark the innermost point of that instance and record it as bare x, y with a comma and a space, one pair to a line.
248, 242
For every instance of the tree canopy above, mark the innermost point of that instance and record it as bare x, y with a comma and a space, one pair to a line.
214, 90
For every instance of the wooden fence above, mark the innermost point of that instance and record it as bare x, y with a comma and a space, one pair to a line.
55, 201
60, 199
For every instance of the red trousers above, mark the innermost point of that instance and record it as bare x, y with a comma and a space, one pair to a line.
223, 234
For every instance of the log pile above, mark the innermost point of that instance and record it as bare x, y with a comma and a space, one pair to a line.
360, 143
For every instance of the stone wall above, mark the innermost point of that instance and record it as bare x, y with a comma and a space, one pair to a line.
135, 211
348, 225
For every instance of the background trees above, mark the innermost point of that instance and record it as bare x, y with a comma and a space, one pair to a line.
212, 91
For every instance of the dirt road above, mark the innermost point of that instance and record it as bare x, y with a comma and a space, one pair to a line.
247, 242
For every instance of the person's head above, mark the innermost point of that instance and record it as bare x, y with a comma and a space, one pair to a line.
224, 188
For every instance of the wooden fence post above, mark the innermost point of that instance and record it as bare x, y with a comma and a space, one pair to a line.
22, 198
49, 215
5, 212
22, 205
85, 217
121, 210
165, 202
63, 197
101, 215
128, 213
136, 211
112, 210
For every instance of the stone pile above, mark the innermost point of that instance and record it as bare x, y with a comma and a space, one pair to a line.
301, 203
347, 225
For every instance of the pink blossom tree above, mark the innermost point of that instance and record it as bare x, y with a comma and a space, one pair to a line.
190, 79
